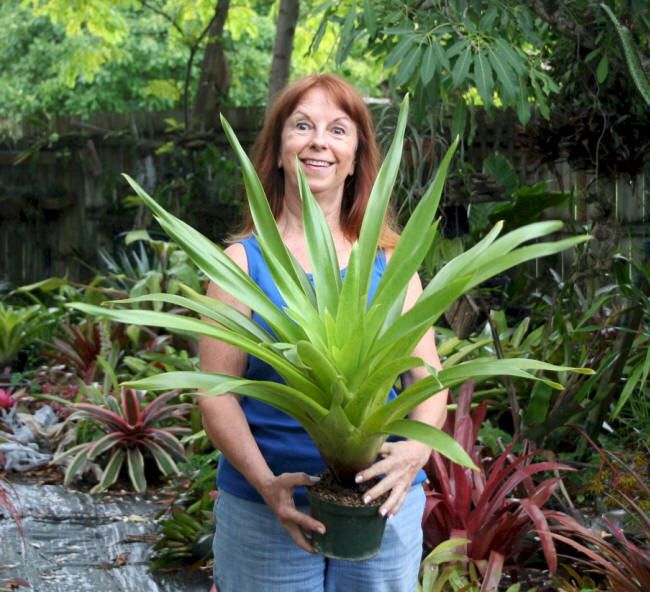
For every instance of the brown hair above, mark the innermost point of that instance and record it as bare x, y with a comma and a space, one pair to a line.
356, 191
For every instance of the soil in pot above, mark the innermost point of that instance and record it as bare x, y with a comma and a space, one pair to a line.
354, 529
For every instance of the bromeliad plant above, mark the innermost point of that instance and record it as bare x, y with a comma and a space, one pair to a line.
497, 508
338, 355
130, 431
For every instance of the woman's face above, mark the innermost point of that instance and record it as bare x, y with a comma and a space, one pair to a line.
324, 138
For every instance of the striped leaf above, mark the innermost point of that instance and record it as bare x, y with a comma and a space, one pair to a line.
111, 472
169, 442
77, 464
163, 459
105, 443
135, 465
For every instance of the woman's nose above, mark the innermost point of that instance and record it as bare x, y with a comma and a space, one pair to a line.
319, 138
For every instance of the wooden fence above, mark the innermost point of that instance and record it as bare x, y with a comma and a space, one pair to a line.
62, 202
59, 205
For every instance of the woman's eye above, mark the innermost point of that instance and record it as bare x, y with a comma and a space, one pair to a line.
302, 126
339, 131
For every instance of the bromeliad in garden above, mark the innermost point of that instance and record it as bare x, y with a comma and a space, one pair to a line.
130, 431
338, 354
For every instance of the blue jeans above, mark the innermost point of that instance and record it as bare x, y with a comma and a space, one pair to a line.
254, 553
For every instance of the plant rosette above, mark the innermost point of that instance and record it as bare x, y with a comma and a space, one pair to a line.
338, 354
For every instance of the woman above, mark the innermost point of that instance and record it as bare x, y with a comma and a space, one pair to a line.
262, 541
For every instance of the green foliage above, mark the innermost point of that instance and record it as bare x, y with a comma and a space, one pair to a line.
184, 538
485, 52
21, 327
446, 568
143, 265
632, 58
590, 320
158, 356
59, 57
79, 346
45, 68
187, 528
338, 358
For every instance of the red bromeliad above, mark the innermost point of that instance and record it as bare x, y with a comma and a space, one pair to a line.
482, 506
131, 431
7, 400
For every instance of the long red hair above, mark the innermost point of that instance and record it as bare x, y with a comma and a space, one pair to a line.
356, 191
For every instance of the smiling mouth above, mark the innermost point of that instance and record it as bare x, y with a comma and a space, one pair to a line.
316, 163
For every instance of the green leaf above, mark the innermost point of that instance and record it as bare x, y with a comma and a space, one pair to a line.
632, 59
408, 329
346, 38
441, 56
457, 48
269, 236
103, 444
286, 398
320, 32
163, 459
220, 268
370, 18
499, 167
321, 250
195, 326
428, 68
506, 78
77, 464
602, 70
400, 51
540, 397
483, 77
461, 68
488, 19
374, 390
459, 118
218, 311
356, 285
324, 372
637, 378
437, 439
413, 246
523, 106
475, 369
408, 66
111, 472
135, 464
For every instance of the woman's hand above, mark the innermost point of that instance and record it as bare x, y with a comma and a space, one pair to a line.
278, 495
398, 467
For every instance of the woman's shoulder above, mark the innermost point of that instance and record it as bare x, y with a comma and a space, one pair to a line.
237, 252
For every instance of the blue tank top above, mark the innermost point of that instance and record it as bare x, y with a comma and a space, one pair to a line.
285, 445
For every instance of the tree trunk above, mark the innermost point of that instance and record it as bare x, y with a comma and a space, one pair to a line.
214, 81
281, 64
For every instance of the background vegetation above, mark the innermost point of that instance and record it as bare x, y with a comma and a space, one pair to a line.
552, 104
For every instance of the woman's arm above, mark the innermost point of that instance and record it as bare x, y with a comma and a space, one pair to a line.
403, 459
226, 426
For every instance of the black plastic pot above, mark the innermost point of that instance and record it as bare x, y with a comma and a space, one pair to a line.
352, 533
